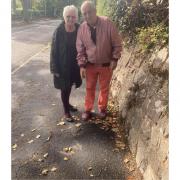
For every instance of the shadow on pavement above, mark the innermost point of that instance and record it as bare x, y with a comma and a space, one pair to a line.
36, 105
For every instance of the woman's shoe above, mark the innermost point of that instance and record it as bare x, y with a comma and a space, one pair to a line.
72, 108
68, 117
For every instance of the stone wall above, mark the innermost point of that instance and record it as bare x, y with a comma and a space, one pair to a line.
139, 89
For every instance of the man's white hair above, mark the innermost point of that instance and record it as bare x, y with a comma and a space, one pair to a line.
70, 8
92, 5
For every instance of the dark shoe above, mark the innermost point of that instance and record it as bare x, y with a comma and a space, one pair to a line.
72, 108
69, 118
86, 115
102, 114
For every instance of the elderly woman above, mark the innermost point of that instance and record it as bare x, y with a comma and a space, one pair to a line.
63, 63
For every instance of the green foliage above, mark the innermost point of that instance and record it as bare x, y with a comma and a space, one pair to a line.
19, 12
140, 16
102, 7
148, 38
18, 4
49, 8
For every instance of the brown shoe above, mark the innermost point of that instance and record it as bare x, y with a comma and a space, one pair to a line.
86, 115
102, 114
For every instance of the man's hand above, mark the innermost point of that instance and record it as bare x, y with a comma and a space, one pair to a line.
83, 72
57, 75
113, 65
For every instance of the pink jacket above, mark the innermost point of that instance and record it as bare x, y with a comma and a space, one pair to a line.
108, 43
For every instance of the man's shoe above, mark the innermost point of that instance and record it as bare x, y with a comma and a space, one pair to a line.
68, 117
72, 108
86, 115
102, 114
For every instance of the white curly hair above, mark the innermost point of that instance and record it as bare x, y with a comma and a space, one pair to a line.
70, 8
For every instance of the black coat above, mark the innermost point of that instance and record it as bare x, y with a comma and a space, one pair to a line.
63, 58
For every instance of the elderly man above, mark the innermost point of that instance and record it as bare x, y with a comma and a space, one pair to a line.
99, 48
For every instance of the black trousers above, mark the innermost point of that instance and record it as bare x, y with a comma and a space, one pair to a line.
65, 94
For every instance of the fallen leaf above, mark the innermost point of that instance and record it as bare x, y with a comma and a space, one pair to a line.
130, 178
66, 149
131, 169
90, 168
110, 118
31, 141
78, 125
106, 129
53, 169
44, 172
126, 160
14, 146
66, 159
72, 152
70, 149
40, 160
61, 123
119, 142
119, 136
38, 136
115, 130
45, 155
49, 137
33, 130
121, 145
115, 150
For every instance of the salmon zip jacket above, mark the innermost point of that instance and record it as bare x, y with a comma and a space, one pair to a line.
108, 46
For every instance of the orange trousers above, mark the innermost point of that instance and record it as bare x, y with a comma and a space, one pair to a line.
94, 73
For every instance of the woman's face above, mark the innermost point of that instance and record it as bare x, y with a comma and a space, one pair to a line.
70, 18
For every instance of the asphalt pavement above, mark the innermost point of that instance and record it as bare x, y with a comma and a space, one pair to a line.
44, 146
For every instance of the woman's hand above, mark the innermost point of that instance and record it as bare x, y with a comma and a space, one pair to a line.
56, 74
83, 72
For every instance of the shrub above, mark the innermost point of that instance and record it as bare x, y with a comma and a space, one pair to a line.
148, 38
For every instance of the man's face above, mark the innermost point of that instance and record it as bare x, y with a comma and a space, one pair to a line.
89, 14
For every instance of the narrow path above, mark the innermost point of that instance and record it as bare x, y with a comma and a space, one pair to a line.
29, 39
81, 150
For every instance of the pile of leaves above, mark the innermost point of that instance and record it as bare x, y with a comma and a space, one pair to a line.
111, 123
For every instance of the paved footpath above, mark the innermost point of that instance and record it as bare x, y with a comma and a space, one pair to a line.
43, 147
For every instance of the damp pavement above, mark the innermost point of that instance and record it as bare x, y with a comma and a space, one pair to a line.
44, 146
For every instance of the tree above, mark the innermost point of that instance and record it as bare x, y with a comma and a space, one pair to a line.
26, 6
14, 6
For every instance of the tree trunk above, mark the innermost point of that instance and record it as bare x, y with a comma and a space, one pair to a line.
14, 6
26, 7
